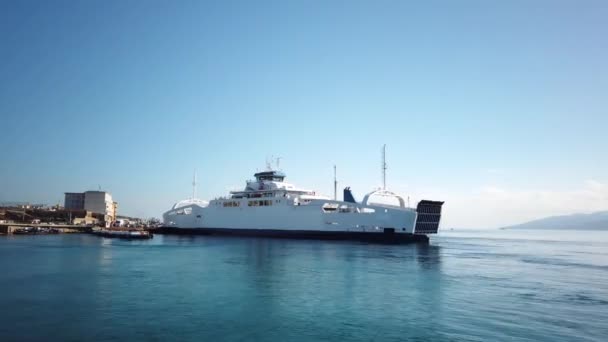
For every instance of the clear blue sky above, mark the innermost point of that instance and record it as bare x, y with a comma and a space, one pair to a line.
499, 108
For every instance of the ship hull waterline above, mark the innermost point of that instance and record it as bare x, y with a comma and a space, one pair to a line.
388, 236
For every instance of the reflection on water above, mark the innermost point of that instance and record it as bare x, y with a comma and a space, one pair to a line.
458, 287
427, 255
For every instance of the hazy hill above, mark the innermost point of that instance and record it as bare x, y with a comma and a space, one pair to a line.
594, 221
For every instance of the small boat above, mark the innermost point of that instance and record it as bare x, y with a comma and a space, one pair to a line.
25, 231
123, 234
36, 230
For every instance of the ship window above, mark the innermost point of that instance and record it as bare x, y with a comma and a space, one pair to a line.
329, 207
261, 203
346, 209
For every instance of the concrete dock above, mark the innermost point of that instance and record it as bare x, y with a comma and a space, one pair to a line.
9, 228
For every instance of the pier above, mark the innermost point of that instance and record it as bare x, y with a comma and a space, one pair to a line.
9, 228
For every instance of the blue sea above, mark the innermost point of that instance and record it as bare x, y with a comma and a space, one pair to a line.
463, 286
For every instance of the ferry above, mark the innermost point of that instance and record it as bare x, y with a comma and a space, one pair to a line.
269, 206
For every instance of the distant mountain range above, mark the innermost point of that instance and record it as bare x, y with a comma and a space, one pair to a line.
594, 221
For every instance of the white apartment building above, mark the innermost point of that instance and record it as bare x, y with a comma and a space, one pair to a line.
98, 202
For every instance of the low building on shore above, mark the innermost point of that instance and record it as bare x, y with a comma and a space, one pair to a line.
42, 216
88, 219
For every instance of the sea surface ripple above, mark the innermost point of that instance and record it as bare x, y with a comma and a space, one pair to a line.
463, 286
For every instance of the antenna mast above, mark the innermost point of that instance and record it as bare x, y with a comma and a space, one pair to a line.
194, 185
335, 185
384, 167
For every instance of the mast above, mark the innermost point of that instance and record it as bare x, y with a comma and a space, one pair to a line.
194, 185
335, 185
384, 167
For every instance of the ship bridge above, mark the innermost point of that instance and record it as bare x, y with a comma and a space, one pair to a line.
270, 183
276, 176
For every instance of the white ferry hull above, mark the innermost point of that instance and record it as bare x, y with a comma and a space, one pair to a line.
271, 207
285, 219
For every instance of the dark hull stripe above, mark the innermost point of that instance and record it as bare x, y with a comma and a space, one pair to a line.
297, 234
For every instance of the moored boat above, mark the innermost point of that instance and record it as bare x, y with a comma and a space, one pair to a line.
36, 230
123, 234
